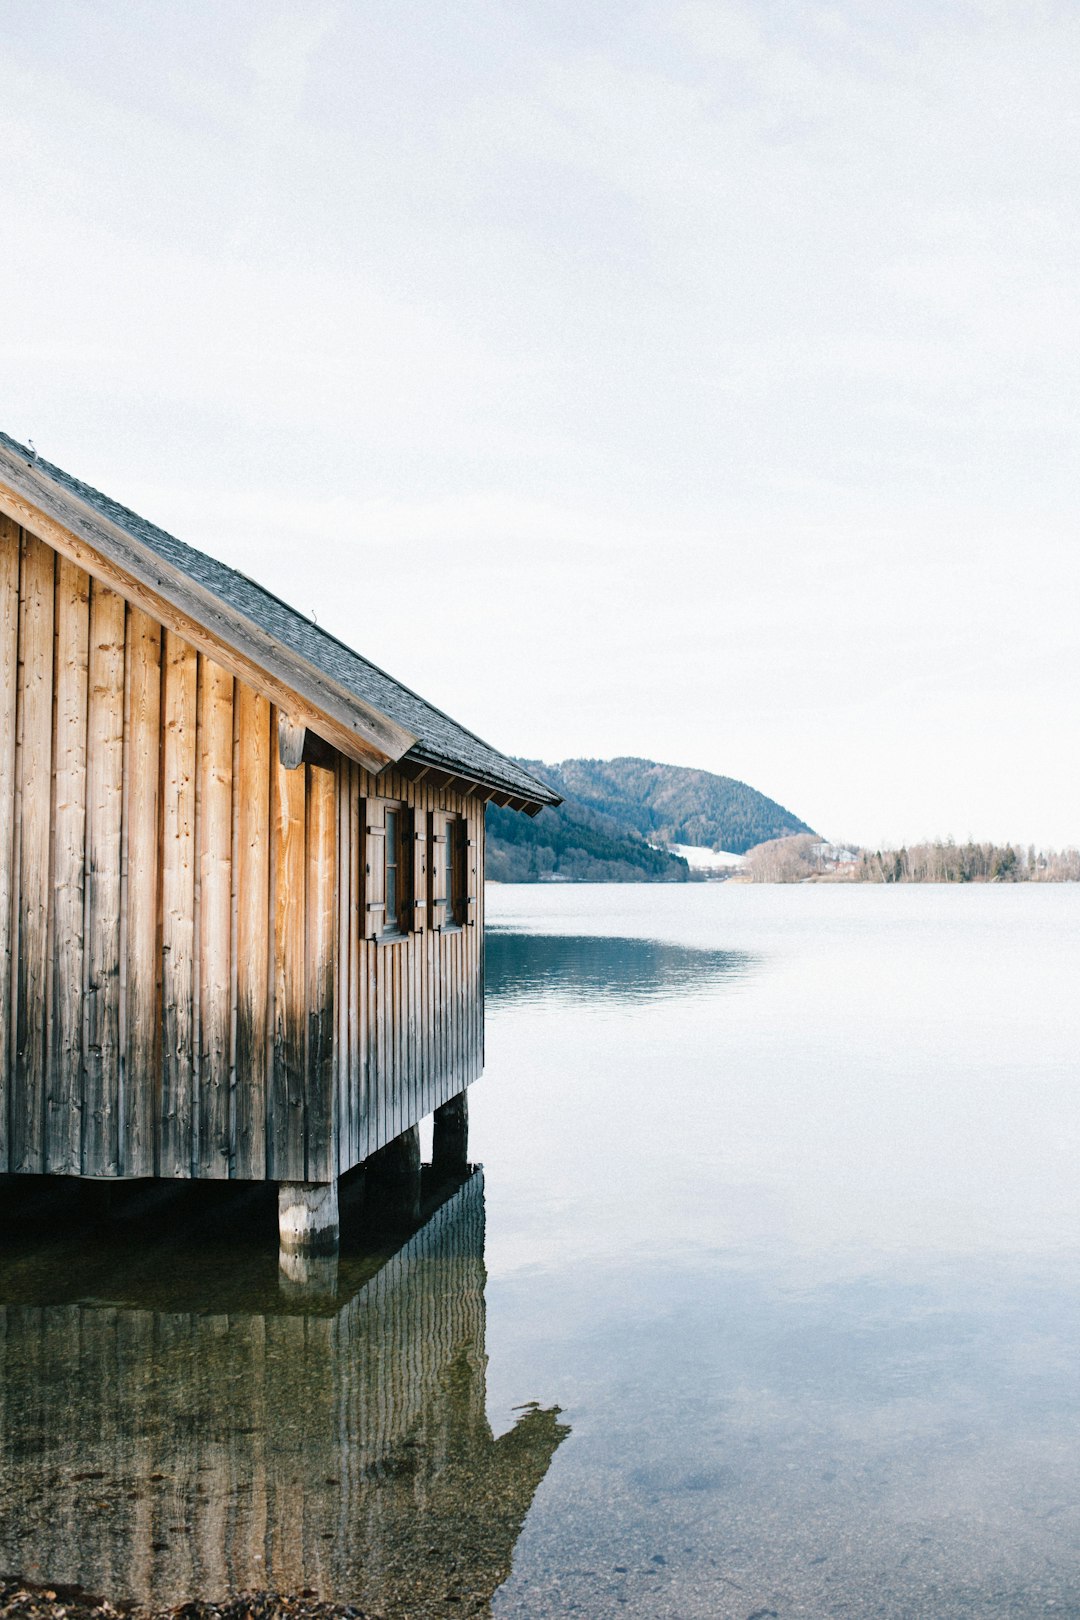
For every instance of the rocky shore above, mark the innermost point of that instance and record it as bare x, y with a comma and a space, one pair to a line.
26, 1601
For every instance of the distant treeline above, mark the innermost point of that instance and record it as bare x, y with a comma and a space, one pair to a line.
574, 844
804, 859
969, 863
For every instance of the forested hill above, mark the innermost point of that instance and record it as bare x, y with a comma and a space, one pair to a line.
614, 812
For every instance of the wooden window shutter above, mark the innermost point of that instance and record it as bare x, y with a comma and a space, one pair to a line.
473, 876
437, 866
373, 816
419, 870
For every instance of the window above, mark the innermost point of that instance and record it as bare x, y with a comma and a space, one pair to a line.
453, 887
388, 869
392, 847
448, 871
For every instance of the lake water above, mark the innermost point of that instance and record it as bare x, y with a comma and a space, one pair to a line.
767, 1302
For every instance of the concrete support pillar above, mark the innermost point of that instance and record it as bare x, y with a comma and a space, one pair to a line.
308, 1217
393, 1177
450, 1137
307, 1276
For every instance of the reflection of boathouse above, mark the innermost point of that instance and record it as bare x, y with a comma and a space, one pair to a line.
154, 1447
241, 897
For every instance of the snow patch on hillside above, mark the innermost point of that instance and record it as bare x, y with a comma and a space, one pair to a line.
700, 858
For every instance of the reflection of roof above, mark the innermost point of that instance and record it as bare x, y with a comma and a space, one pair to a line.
360, 699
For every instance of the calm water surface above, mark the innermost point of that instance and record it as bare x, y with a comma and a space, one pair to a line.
767, 1302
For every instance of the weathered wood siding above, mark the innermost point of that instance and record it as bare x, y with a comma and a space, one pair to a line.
189, 982
411, 1007
146, 870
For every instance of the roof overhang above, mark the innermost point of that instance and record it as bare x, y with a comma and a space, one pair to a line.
417, 770
105, 550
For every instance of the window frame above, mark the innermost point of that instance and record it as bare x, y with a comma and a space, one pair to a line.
379, 815
447, 860
392, 862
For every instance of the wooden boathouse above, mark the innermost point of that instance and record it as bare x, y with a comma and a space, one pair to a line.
241, 871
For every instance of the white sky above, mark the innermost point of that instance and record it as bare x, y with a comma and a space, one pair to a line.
697, 380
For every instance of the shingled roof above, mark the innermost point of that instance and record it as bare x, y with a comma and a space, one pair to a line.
346, 700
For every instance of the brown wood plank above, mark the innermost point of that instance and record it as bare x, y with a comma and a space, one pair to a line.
104, 814
9, 683
63, 1103
321, 920
430, 946
33, 789
142, 1068
215, 765
397, 1078
252, 930
373, 955
286, 1124
180, 688
363, 976
341, 984
356, 975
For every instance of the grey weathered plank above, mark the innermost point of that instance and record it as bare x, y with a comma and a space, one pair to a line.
215, 764
180, 687
142, 852
104, 810
252, 930
286, 1123
64, 1098
9, 682
33, 783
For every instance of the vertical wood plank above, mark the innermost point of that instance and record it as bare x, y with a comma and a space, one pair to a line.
252, 929
215, 766
33, 789
321, 885
343, 986
140, 1002
481, 936
180, 687
9, 680
104, 811
286, 1126
63, 1103
430, 946
363, 975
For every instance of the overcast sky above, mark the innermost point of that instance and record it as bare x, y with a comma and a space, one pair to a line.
697, 381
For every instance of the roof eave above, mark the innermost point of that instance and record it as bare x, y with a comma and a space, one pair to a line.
106, 550
529, 797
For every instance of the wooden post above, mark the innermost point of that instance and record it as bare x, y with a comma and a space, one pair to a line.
308, 1217
450, 1137
392, 1181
